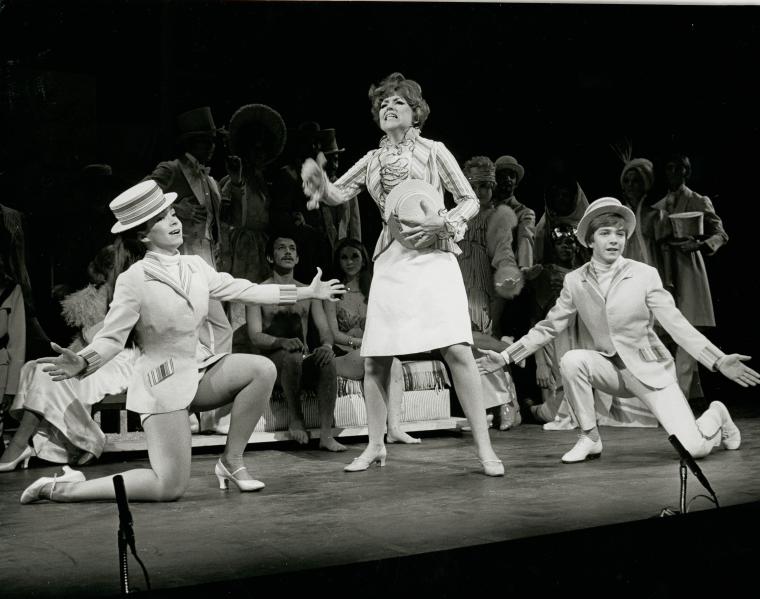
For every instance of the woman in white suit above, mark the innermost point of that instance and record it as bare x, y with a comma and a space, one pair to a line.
618, 301
163, 301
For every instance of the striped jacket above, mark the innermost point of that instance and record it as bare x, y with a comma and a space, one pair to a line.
169, 316
622, 323
431, 162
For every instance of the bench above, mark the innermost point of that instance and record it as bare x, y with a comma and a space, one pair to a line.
425, 406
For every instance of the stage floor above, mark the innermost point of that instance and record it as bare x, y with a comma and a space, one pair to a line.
312, 515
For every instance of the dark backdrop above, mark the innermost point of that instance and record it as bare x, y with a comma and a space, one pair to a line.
87, 82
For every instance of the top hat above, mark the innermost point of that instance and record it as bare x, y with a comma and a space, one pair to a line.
602, 206
197, 122
139, 204
511, 163
687, 225
327, 142
261, 125
405, 202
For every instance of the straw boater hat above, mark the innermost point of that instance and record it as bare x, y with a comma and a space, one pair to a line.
262, 124
405, 202
602, 206
138, 204
511, 163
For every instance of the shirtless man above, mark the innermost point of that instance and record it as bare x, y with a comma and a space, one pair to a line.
279, 332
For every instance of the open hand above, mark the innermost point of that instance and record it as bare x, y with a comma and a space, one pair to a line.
64, 366
326, 290
419, 232
491, 362
731, 367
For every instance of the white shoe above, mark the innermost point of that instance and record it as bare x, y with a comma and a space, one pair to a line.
584, 449
32, 492
730, 436
559, 424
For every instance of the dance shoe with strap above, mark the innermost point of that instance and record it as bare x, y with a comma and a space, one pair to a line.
34, 491
492, 467
22, 459
223, 476
363, 463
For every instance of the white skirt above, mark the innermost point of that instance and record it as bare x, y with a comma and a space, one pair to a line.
417, 302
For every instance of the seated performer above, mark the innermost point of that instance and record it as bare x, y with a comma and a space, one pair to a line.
279, 333
618, 300
163, 299
55, 416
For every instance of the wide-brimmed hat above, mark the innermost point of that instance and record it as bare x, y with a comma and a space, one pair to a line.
511, 163
602, 206
405, 202
197, 122
261, 125
327, 142
138, 204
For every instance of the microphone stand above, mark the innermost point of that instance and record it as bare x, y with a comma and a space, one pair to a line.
682, 475
125, 534
687, 460
123, 564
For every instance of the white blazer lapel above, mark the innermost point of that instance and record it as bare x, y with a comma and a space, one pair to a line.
624, 272
155, 271
589, 282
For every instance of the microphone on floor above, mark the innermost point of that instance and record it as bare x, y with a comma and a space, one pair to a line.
126, 535
688, 460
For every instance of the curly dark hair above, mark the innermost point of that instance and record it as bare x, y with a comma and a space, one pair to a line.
365, 274
396, 84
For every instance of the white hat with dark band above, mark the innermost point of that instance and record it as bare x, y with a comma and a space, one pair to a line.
605, 206
139, 204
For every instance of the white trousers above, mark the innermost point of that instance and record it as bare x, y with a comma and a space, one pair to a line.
585, 370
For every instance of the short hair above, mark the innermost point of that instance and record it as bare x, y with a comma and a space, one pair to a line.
606, 219
396, 84
679, 158
269, 248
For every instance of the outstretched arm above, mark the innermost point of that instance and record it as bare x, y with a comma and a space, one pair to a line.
109, 340
542, 333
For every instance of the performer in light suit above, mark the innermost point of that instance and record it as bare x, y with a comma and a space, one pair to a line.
618, 301
163, 299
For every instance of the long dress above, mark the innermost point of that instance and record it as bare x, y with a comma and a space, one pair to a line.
417, 300
67, 429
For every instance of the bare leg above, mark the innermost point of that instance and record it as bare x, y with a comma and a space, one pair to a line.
245, 380
326, 391
168, 438
289, 372
377, 372
29, 424
469, 391
395, 395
